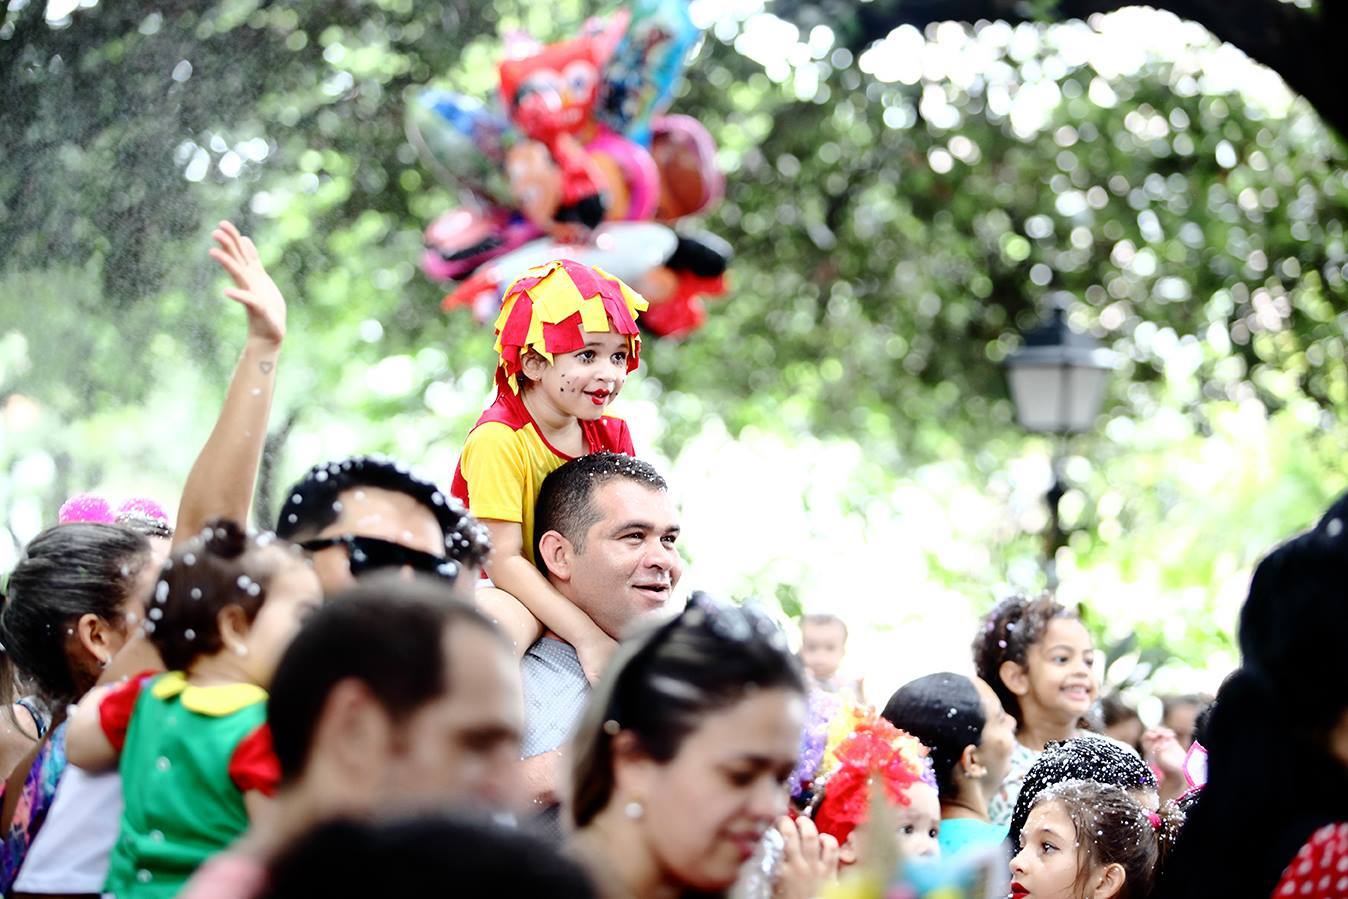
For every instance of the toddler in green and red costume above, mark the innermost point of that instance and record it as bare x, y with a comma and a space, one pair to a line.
192, 744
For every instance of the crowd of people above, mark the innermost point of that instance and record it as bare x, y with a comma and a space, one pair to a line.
492, 688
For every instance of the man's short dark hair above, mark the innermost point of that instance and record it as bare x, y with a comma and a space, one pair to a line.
566, 499
312, 504
388, 633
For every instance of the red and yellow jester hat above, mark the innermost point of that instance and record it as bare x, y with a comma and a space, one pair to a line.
550, 308
873, 750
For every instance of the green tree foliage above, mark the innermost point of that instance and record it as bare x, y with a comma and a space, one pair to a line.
895, 218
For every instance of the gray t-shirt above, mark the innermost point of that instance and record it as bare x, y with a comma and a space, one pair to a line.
555, 693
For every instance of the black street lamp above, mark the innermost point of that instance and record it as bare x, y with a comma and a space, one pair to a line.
1057, 380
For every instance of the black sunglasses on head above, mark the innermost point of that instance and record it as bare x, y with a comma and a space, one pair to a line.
366, 554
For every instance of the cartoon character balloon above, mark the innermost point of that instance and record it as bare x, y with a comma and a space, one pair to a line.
578, 162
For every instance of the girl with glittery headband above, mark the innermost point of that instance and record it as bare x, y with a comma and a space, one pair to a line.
875, 752
566, 339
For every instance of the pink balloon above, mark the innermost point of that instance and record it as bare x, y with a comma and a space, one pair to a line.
639, 171
686, 155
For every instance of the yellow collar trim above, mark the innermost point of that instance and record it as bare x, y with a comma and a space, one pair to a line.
217, 701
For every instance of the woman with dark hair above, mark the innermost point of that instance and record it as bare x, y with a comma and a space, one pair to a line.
969, 736
680, 763
73, 601
1277, 739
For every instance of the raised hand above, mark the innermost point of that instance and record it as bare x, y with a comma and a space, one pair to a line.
809, 860
253, 287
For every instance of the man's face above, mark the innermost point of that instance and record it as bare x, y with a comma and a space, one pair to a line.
383, 515
628, 563
463, 747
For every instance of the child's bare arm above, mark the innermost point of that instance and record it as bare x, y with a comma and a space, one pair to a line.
258, 805
221, 482
87, 746
509, 615
516, 575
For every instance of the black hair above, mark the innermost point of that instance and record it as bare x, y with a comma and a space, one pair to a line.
566, 499
66, 571
1087, 757
313, 503
1112, 828
945, 712
220, 567
1008, 632
1267, 738
387, 633
422, 857
667, 677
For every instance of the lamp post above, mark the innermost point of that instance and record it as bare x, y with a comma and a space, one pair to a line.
1057, 380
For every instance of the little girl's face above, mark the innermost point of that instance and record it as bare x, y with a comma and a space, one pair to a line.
583, 383
293, 593
1061, 670
919, 823
1046, 866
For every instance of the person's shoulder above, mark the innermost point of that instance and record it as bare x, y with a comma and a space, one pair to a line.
507, 410
611, 434
556, 655
1322, 862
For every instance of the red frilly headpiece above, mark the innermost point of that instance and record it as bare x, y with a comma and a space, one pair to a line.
874, 748
550, 308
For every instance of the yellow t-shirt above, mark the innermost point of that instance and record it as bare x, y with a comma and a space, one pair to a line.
506, 458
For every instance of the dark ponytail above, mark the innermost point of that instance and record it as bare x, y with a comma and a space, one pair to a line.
66, 572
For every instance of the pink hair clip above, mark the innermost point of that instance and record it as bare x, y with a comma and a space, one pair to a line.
1155, 820
91, 508
86, 507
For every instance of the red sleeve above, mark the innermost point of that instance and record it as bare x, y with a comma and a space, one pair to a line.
254, 765
114, 712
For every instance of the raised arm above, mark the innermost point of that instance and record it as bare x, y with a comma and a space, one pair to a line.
221, 482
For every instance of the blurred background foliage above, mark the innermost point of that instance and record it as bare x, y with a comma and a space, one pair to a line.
898, 209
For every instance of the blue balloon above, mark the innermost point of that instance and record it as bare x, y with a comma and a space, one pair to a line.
640, 76
463, 141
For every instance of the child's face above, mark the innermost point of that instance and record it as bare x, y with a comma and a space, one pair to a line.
1061, 673
1046, 866
919, 823
822, 647
293, 593
583, 384
917, 827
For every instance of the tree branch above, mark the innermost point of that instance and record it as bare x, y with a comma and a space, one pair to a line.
1295, 43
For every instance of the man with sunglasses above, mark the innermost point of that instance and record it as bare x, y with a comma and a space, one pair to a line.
367, 513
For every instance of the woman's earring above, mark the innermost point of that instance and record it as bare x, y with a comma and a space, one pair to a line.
634, 810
